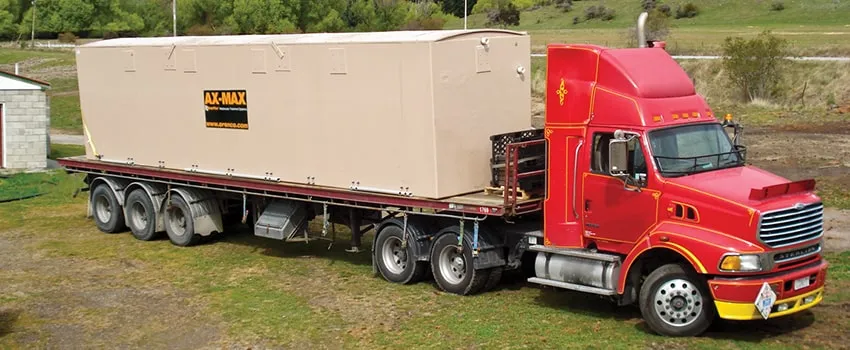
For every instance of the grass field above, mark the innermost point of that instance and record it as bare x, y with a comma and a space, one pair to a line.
813, 27
67, 285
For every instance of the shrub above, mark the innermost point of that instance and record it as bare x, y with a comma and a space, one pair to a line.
576, 20
656, 29
599, 11
68, 37
110, 35
755, 65
657, 26
665, 10
777, 6
648, 5
200, 30
504, 14
688, 11
564, 5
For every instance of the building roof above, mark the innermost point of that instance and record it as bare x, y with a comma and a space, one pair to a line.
310, 38
12, 81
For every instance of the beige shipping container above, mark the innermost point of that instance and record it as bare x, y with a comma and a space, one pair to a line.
408, 111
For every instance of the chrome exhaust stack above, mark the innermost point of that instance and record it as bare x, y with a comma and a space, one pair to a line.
641, 35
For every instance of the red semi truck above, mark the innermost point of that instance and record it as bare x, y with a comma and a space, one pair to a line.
632, 190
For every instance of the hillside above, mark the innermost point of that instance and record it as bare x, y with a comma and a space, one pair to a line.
813, 27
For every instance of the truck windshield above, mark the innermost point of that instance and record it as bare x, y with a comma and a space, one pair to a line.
690, 149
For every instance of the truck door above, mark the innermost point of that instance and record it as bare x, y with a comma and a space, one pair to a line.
612, 212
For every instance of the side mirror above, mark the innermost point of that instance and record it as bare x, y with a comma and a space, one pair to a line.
618, 157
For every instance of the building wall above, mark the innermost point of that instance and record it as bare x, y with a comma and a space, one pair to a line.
25, 128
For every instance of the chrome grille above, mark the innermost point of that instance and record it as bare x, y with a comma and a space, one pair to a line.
790, 226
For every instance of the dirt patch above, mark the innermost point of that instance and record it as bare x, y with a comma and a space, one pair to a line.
836, 227
41, 68
80, 303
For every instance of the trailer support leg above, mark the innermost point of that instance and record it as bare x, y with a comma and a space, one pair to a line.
404, 233
475, 238
460, 238
354, 222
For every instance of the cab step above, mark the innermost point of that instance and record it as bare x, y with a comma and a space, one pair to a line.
572, 286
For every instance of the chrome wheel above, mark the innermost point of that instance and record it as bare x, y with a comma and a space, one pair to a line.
678, 303
394, 255
452, 264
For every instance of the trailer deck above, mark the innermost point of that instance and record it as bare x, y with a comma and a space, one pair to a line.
480, 204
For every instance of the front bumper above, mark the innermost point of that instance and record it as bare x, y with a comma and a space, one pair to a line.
735, 298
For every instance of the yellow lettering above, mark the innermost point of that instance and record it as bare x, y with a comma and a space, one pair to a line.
226, 98
242, 98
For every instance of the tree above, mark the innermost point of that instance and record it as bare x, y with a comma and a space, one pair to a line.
755, 65
58, 16
7, 20
263, 16
455, 7
504, 13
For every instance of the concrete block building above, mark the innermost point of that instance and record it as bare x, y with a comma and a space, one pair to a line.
24, 122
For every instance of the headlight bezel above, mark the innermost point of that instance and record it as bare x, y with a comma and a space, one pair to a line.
762, 264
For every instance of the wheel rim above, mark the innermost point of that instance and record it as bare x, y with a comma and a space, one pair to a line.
678, 303
139, 216
452, 264
394, 256
103, 209
177, 221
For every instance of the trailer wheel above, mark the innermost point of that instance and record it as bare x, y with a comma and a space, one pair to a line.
453, 270
179, 224
675, 302
141, 215
397, 264
108, 215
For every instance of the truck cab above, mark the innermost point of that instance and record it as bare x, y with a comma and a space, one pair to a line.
643, 178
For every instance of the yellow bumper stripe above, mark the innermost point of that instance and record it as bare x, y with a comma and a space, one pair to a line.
748, 311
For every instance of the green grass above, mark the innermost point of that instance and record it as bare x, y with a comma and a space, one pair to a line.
834, 195
61, 151
713, 13
12, 56
65, 113
264, 292
24, 185
817, 27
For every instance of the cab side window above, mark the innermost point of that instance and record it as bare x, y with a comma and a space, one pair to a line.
599, 153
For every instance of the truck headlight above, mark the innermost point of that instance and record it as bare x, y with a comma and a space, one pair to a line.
740, 263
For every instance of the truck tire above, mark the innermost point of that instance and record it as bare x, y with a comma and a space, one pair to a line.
494, 278
179, 224
675, 302
453, 271
141, 215
397, 264
108, 214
